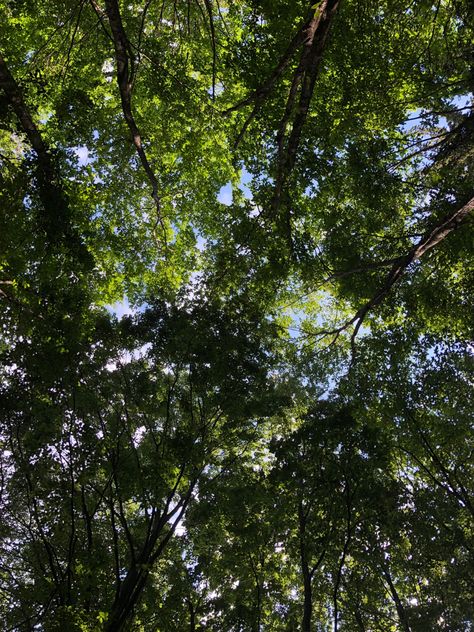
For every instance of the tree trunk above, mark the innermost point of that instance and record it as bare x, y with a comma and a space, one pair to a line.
308, 602
305, 572
192, 616
402, 615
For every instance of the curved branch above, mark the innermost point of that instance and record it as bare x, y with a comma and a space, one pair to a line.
432, 238
125, 61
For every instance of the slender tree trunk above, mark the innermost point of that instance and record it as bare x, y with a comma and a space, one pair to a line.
308, 601
135, 580
402, 615
359, 620
305, 572
315, 39
126, 71
192, 616
55, 217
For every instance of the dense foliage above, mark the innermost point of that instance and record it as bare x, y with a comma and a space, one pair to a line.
237, 325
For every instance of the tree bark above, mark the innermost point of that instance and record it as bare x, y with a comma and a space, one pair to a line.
314, 44
132, 586
402, 616
125, 76
431, 239
192, 616
305, 572
56, 216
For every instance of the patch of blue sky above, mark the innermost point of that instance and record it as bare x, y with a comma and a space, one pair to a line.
245, 181
83, 155
225, 194
217, 89
297, 316
413, 120
201, 243
121, 308
461, 102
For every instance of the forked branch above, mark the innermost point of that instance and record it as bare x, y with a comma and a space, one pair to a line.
315, 37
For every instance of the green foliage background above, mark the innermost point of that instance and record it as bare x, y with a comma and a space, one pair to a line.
236, 273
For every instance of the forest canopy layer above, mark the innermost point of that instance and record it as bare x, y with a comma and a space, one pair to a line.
237, 315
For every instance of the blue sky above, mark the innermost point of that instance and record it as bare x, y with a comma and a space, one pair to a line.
225, 194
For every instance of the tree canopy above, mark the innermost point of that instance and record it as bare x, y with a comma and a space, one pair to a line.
237, 325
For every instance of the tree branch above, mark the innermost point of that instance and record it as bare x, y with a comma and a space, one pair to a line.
314, 44
431, 238
57, 216
125, 61
261, 93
